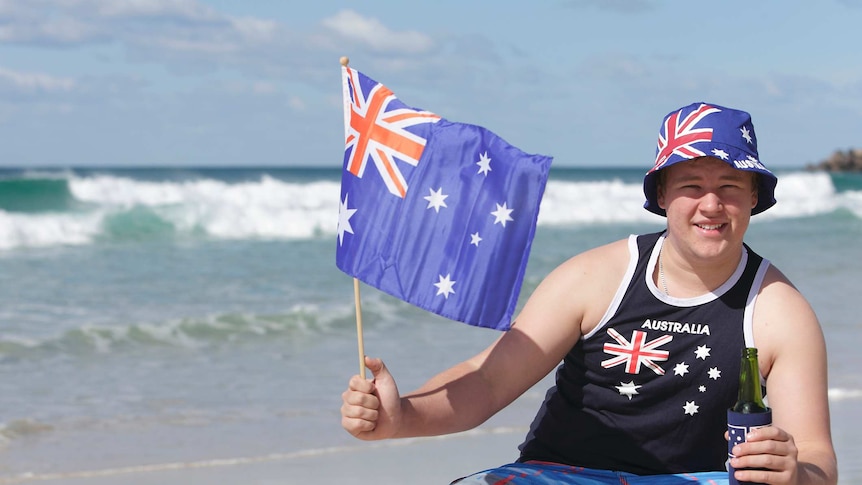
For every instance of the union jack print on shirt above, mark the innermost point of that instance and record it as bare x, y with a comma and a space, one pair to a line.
636, 352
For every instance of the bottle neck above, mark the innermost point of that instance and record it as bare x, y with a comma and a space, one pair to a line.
750, 397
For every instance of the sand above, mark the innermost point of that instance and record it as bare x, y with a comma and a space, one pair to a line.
416, 461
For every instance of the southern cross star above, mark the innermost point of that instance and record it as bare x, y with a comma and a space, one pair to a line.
484, 164
436, 199
690, 408
502, 214
444, 286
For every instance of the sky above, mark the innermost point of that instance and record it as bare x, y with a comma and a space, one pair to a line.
257, 83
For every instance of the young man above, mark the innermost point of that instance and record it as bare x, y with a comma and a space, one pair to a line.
649, 331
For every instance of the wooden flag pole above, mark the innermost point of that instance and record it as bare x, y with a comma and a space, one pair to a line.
359, 327
344, 61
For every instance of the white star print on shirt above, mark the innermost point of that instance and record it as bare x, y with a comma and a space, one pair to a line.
690, 408
628, 389
714, 373
702, 352
681, 369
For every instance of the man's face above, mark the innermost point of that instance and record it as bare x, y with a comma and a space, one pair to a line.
708, 204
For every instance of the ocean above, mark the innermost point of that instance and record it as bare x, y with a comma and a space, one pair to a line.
166, 317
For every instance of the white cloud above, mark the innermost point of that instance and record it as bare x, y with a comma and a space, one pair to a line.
186, 9
374, 34
175, 45
622, 6
255, 29
190, 37
296, 103
34, 82
27, 28
263, 87
101, 21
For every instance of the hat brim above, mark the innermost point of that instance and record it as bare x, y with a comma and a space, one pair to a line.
765, 189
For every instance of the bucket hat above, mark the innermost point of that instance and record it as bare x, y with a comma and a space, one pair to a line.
709, 130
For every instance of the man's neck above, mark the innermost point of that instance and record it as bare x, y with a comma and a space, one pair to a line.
687, 276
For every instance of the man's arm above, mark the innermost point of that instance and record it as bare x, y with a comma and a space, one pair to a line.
797, 449
571, 298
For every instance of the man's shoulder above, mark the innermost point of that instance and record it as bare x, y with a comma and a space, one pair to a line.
610, 250
606, 261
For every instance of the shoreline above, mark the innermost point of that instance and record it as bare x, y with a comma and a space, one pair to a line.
381, 462
419, 461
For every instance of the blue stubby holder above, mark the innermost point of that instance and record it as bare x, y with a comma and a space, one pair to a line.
738, 427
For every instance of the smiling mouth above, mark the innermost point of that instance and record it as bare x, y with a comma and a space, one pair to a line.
710, 227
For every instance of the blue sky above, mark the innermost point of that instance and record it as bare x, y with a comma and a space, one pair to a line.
217, 82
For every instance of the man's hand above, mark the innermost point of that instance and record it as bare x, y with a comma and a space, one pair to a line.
371, 409
772, 454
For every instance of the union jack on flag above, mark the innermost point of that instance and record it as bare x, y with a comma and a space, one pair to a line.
679, 135
375, 129
636, 352
436, 213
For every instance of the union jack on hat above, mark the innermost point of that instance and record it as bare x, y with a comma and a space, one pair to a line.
709, 130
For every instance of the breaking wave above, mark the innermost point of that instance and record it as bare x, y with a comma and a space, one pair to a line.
70, 208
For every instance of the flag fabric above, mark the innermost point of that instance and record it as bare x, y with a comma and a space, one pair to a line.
436, 213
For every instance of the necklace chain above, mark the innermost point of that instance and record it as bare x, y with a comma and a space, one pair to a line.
661, 273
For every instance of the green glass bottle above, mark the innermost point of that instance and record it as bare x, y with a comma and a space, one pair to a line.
750, 397
749, 412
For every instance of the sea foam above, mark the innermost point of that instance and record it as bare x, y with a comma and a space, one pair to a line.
109, 207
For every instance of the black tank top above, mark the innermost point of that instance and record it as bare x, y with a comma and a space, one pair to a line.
647, 390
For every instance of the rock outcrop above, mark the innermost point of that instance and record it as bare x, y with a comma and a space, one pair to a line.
846, 161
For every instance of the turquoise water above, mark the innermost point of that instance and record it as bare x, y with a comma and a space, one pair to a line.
165, 315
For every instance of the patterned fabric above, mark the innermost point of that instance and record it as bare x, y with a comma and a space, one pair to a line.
700, 130
647, 391
436, 213
539, 473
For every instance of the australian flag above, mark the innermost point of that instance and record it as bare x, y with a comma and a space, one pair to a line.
436, 213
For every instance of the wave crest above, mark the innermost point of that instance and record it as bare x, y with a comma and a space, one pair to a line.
303, 321
107, 207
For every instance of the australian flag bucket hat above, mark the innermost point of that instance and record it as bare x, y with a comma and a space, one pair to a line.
709, 130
